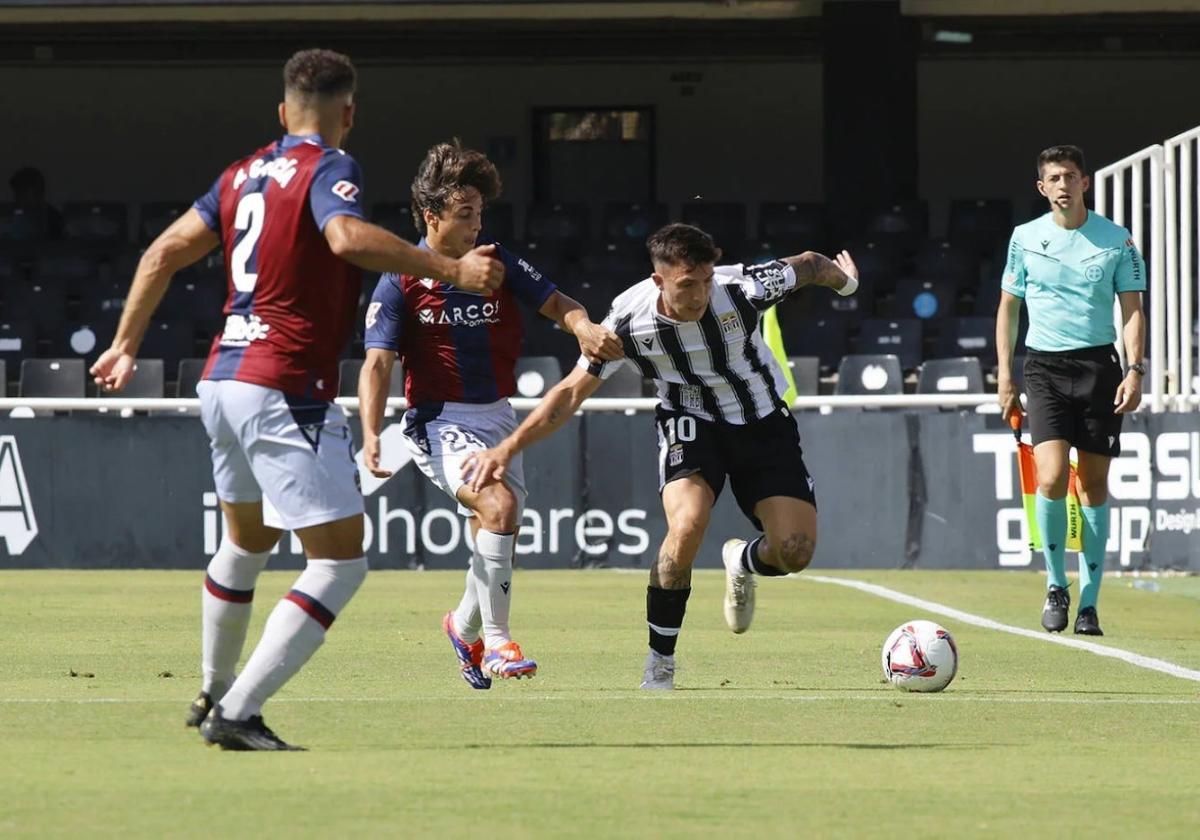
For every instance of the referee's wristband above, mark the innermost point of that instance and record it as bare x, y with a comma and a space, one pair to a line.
850, 288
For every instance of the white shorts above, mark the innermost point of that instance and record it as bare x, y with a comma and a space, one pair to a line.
442, 435
298, 453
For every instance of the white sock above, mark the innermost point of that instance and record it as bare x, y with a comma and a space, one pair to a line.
493, 577
294, 631
225, 604
467, 616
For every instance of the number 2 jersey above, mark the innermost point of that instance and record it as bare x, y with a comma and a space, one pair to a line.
292, 303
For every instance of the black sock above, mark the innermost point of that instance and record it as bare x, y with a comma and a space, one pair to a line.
664, 614
752, 562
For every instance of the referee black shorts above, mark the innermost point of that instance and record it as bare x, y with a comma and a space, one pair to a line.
761, 459
1069, 396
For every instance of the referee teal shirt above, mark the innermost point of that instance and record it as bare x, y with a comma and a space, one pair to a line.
1070, 279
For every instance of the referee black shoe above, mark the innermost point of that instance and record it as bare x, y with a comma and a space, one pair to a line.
199, 709
1054, 612
242, 735
1087, 623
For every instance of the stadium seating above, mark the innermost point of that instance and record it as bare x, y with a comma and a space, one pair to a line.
52, 378
97, 223
826, 338
725, 221
561, 228
870, 374
793, 226
498, 223
170, 341
536, 375
900, 337
923, 299
806, 373
631, 221
18, 341
156, 216
903, 224
940, 259
396, 216
147, 381
950, 376
81, 340
973, 336
349, 369
978, 223
188, 376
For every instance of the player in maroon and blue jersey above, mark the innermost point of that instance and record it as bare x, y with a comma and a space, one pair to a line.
459, 351
289, 217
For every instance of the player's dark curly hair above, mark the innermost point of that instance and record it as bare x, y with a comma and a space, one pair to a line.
680, 244
319, 73
447, 170
1059, 154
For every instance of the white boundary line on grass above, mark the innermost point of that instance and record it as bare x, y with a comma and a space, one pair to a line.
636, 695
1137, 659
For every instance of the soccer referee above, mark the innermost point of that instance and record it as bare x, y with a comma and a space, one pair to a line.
1068, 266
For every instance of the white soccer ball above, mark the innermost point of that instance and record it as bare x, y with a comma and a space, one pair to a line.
920, 656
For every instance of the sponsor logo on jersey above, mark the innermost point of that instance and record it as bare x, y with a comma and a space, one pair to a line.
346, 191
771, 276
281, 169
241, 330
533, 273
18, 526
373, 313
472, 315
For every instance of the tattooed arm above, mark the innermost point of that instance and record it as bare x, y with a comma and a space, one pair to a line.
555, 409
839, 274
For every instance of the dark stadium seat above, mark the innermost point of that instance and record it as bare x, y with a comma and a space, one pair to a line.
498, 223
974, 336
348, 370
96, 223
562, 228
396, 216
546, 257
614, 266
52, 378
67, 266
870, 374
724, 221
536, 375
632, 221
924, 299
147, 381
939, 259
156, 216
950, 376
897, 336
825, 338
852, 308
626, 382
3, 378
18, 340
904, 224
43, 302
978, 223
192, 297
793, 226
170, 340
187, 376
806, 373
879, 262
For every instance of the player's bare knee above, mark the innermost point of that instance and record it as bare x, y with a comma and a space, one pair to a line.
792, 553
1051, 485
497, 509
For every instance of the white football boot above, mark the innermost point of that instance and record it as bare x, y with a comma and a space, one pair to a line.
659, 674
739, 587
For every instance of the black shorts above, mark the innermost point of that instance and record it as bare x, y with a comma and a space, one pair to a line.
1070, 397
761, 459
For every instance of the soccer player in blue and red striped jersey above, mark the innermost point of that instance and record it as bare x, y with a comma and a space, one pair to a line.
290, 219
459, 351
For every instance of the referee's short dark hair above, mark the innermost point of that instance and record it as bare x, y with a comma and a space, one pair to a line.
1060, 154
680, 244
319, 74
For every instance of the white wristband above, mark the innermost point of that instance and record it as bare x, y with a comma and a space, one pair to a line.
850, 288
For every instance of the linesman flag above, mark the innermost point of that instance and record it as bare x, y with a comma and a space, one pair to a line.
774, 338
1028, 472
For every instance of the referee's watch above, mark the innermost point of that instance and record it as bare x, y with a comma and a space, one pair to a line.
1137, 367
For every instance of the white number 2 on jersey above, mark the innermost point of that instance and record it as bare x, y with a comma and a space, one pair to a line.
250, 212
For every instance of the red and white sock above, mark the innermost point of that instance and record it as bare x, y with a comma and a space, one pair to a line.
225, 605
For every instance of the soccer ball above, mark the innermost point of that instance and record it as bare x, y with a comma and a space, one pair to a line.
920, 656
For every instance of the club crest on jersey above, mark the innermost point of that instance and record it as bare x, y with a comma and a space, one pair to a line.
730, 324
690, 397
346, 191
281, 169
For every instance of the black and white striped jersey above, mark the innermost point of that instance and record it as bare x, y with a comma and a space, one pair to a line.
718, 368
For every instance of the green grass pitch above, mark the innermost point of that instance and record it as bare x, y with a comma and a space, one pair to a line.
786, 731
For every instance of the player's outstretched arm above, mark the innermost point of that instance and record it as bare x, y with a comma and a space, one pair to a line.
377, 249
187, 240
596, 341
1007, 323
374, 380
813, 269
555, 409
